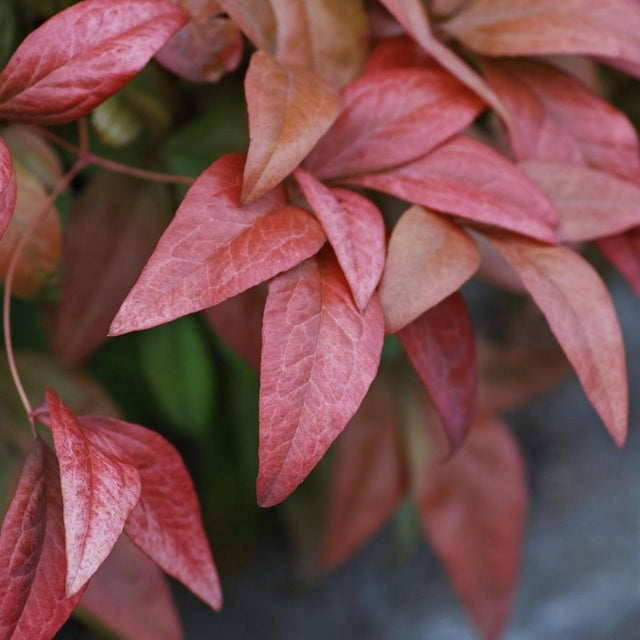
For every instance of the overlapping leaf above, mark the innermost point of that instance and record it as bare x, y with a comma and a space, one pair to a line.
355, 229
256, 19
216, 248
623, 251
289, 110
81, 56
581, 315
468, 179
429, 258
319, 356
390, 118
8, 188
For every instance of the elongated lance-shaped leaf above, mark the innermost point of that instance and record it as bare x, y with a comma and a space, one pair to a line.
623, 251
8, 188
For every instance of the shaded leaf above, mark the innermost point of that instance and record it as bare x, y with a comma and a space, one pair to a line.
429, 258
8, 187
319, 356
591, 203
368, 480
440, 345
399, 52
468, 179
216, 248
42, 252
179, 371
289, 110
623, 251
473, 510
256, 19
81, 56
166, 522
412, 15
129, 595
355, 229
33, 603
390, 118
114, 226
99, 491
580, 313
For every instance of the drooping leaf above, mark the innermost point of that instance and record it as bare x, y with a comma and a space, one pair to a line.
81, 56
368, 480
473, 510
355, 229
289, 110
113, 227
440, 345
623, 251
216, 248
609, 30
130, 596
319, 356
390, 118
8, 187
256, 19
591, 203
179, 371
33, 603
42, 252
166, 522
99, 490
429, 258
554, 117
580, 313
468, 179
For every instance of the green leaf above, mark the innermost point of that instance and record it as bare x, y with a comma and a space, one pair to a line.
178, 368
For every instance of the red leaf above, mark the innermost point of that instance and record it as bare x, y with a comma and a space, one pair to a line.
536, 27
99, 491
32, 560
429, 258
113, 229
216, 248
81, 56
319, 356
289, 110
623, 251
555, 117
468, 179
473, 510
355, 229
8, 188
368, 480
131, 597
580, 313
591, 203
400, 52
440, 345
390, 118
166, 522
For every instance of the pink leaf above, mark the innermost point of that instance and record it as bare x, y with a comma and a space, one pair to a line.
623, 251
130, 596
319, 356
289, 111
83, 55
440, 345
412, 15
99, 491
591, 203
609, 30
400, 52
468, 179
429, 258
33, 603
580, 313
216, 248
166, 522
112, 231
368, 479
256, 19
355, 229
390, 118
554, 117
8, 188
473, 511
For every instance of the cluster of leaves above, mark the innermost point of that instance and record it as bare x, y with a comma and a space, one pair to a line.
344, 98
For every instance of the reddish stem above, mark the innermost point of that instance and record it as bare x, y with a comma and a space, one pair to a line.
13, 263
